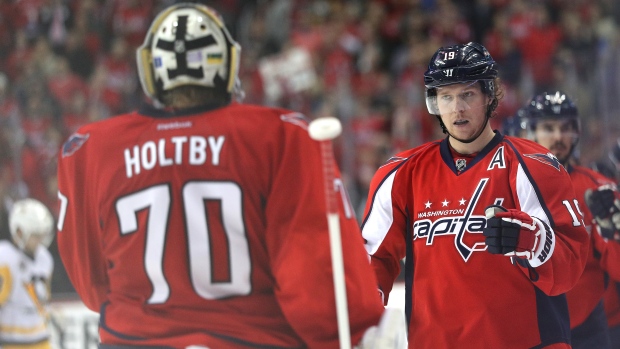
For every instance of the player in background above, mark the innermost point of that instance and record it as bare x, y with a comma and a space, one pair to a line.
605, 206
553, 122
26, 268
203, 222
489, 224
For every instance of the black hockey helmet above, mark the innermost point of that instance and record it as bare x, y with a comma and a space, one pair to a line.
458, 64
554, 105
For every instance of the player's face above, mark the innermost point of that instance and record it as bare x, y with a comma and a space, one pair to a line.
463, 109
34, 240
556, 135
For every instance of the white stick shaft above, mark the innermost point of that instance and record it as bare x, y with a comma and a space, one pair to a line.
324, 130
342, 311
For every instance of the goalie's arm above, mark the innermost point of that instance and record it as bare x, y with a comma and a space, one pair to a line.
297, 242
79, 243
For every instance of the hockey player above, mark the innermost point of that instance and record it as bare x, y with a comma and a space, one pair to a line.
553, 122
611, 298
604, 203
202, 223
26, 268
489, 224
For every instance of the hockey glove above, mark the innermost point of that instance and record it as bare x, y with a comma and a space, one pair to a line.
514, 233
390, 333
604, 205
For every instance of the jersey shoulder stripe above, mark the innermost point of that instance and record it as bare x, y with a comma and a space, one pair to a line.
387, 171
521, 150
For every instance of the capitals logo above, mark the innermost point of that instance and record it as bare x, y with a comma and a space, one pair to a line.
295, 118
547, 159
456, 225
74, 143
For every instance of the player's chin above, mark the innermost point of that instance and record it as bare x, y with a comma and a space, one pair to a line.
560, 152
462, 129
563, 157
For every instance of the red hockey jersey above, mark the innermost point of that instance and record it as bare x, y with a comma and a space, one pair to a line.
208, 229
459, 295
589, 290
611, 301
610, 262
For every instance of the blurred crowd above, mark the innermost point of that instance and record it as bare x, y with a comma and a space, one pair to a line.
64, 63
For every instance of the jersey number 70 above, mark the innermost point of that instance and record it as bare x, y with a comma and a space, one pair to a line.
157, 199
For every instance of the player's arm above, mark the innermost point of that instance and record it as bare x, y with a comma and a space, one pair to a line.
299, 248
546, 233
46, 293
79, 242
6, 283
384, 226
609, 251
604, 204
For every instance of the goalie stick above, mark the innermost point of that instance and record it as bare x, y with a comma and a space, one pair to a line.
324, 130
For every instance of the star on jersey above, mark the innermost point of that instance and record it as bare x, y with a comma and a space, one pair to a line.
427, 204
462, 202
445, 203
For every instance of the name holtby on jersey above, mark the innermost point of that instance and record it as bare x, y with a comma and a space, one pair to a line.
193, 150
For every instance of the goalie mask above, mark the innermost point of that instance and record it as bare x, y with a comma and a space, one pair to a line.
188, 44
31, 218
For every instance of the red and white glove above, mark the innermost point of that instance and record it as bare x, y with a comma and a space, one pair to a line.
515, 233
390, 333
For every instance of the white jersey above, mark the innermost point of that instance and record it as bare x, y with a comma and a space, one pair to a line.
24, 294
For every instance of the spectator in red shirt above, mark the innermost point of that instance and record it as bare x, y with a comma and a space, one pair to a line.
539, 45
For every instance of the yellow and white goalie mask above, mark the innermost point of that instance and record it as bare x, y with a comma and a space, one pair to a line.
187, 44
